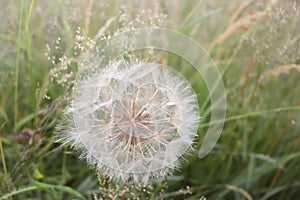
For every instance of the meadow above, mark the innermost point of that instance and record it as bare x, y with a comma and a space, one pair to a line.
255, 46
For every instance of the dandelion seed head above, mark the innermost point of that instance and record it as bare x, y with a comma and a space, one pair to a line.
133, 119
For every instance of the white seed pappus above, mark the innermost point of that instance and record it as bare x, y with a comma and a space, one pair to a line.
132, 119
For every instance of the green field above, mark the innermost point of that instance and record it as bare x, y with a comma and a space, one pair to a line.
255, 46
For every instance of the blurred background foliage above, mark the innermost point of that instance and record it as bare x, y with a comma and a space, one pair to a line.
256, 46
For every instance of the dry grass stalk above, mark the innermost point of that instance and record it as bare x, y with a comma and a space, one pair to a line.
285, 69
104, 28
240, 10
243, 23
88, 14
250, 68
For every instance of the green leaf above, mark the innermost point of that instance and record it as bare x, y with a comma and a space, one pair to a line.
278, 189
28, 118
58, 187
19, 191
240, 190
199, 20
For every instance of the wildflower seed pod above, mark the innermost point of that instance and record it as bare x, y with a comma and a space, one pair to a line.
132, 119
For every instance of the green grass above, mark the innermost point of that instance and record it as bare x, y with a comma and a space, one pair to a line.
258, 154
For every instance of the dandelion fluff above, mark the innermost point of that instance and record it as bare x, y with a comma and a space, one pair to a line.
133, 119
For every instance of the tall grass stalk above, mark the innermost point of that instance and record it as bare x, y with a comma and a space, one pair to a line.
28, 43
4, 165
66, 26
190, 15
16, 97
252, 114
28, 47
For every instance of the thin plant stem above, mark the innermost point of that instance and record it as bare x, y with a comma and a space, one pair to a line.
8, 38
4, 166
19, 191
28, 47
16, 97
251, 114
66, 26
28, 42
63, 168
190, 15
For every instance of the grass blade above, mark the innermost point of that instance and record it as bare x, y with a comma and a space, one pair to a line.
58, 187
